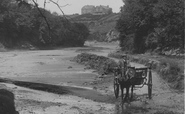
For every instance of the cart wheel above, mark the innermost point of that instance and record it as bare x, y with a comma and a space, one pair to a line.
150, 91
150, 85
116, 87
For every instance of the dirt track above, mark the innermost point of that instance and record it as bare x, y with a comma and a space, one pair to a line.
54, 67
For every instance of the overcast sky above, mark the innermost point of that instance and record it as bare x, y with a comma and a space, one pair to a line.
76, 5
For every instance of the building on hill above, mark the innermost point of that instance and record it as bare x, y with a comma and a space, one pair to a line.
98, 10
88, 9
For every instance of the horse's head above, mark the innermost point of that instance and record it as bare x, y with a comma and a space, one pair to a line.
116, 71
130, 72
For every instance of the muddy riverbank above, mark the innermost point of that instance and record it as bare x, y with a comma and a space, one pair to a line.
88, 93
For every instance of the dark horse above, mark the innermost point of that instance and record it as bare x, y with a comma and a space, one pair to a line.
126, 79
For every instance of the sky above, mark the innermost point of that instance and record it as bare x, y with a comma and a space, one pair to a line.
74, 6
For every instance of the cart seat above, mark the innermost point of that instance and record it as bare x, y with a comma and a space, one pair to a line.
140, 75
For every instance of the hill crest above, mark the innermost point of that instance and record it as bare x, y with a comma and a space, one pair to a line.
99, 25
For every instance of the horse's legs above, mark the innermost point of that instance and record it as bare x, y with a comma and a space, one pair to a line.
132, 89
122, 90
127, 93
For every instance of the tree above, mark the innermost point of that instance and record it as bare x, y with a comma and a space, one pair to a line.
24, 22
152, 24
169, 29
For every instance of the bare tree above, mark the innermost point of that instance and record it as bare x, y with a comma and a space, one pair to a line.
56, 3
36, 5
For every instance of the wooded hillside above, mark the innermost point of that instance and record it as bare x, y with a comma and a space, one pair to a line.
21, 21
155, 25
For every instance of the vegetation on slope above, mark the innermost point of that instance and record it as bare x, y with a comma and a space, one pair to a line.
151, 25
155, 26
24, 22
102, 24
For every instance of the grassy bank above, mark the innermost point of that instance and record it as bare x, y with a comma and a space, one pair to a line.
169, 69
102, 64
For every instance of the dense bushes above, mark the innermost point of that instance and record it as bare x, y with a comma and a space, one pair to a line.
171, 72
24, 22
151, 25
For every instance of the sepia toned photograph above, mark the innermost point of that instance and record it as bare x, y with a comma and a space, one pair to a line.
92, 56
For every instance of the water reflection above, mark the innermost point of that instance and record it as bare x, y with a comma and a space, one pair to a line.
137, 107
122, 108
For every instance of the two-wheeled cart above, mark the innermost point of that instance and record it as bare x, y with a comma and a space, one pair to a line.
141, 76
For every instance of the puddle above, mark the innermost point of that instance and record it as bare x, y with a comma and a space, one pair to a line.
51, 55
128, 108
75, 86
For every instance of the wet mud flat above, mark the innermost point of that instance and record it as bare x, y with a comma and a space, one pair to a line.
65, 90
59, 84
30, 101
140, 105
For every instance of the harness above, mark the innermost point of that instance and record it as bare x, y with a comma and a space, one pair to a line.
124, 73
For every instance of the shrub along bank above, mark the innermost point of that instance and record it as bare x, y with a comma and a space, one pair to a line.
168, 69
102, 64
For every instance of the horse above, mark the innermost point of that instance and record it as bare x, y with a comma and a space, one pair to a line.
125, 79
